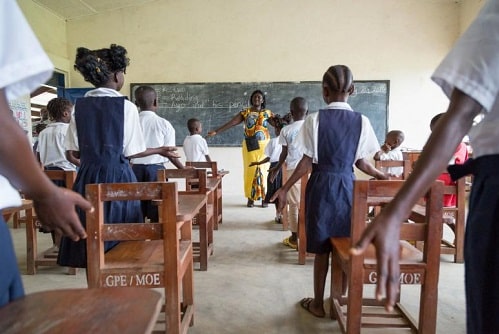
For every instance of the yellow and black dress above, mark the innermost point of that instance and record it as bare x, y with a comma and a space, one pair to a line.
255, 126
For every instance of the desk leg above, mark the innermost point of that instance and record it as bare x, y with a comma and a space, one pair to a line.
31, 249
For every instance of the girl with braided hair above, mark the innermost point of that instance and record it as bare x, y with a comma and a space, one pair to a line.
332, 141
104, 132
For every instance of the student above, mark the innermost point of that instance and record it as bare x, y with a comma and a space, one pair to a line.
332, 141
50, 149
459, 157
25, 69
157, 132
469, 76
195, 146
292, 154
272, 152
390, 150
105, 132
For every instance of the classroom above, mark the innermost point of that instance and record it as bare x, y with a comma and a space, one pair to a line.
217, 41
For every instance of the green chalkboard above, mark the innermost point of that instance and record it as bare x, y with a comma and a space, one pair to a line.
216, 103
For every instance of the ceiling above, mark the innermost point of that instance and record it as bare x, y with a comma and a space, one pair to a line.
73, 9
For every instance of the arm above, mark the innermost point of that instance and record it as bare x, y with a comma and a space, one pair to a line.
282, 158
301, 169
384, 232
177, 163
369, 169
233, 122
54, 206
255, 163
166, 151
73, 157
207, 157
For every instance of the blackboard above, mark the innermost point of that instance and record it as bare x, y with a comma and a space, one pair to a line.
216, 103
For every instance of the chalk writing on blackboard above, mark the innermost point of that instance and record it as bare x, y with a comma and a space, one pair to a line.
216, 103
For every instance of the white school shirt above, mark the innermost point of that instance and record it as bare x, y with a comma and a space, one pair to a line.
157, 132
395, 154
195, 148
273, 150
133, 139
24, 66
51, 146
473, 67
287, 138
307, 140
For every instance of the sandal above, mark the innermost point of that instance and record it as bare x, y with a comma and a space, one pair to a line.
290, 243
305, 304
250, 203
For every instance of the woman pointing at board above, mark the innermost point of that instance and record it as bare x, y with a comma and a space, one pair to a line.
256, 136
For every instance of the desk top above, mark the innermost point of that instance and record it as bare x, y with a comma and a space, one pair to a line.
189, 205
103, 310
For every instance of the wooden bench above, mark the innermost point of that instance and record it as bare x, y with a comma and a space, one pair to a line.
82, 311
149, 255
455, 218
190, 177
356, 313
218, 175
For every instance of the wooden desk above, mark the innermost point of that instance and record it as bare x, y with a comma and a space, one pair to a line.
26, 205
107, 311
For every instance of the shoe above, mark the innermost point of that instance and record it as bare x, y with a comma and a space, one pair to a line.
250, 203
290, 243
278, 219
265, 204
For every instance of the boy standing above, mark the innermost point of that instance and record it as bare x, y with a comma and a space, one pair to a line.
292, 155
195, 146
51, 151
157, 132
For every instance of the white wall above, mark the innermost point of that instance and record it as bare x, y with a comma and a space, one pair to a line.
279, 40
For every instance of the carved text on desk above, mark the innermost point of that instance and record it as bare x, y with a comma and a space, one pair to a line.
405, 278
149, 279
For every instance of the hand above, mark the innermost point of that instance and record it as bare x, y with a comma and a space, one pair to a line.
57, 210
384, 233
272, 174
386, 148
211, 134
169, 152
279, 195
254, 163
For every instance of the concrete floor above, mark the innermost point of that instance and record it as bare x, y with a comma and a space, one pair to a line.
254, 283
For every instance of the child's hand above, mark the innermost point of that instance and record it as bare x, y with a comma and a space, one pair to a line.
254, 163
169, 152
386, 148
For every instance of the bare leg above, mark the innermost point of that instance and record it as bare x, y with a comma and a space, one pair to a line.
316, 305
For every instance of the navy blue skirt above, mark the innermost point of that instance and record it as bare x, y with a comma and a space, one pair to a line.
11, 286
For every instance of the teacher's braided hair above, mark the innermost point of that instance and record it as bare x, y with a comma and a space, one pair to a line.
338, 78
97, 66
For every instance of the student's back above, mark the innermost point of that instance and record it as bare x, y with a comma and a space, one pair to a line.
50, 148
195, 146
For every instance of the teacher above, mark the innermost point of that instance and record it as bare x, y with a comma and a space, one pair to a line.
256, 136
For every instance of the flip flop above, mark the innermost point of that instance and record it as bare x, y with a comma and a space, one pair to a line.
288, 243
305, 304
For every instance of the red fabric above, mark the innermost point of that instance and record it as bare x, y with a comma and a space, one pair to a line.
461, 155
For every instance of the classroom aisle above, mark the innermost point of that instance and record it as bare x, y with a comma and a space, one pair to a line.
253, 283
